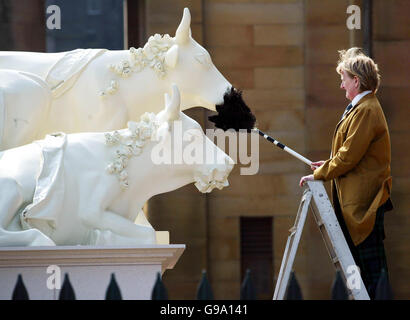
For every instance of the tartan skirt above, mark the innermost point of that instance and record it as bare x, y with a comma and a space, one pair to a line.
369, 255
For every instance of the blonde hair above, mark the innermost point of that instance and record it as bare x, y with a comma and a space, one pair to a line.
352, 52
357, 64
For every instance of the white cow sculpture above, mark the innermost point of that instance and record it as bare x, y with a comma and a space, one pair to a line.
24, 99
88, 188
100, 90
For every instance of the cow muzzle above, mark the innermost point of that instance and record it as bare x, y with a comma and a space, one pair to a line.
215, 176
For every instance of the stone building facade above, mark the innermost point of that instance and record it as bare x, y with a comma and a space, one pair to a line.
282, 54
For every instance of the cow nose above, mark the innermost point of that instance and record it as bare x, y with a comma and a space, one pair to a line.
215, 176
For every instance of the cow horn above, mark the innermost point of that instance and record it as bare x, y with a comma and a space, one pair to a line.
184, 29
173, 103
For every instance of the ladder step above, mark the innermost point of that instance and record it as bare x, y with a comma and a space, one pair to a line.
292, 230
335, 260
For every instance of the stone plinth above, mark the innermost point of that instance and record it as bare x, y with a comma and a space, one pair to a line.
89, 269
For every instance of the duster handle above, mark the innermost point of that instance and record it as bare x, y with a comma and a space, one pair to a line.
283, 147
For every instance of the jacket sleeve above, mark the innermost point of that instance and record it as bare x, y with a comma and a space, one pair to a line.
358, 138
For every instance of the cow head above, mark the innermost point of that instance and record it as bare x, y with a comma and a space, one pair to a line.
201, 84
185, 152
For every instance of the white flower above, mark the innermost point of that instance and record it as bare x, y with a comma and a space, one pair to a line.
126, 73
138, 143
133, 127
118, 165
124, 184
110, 168
112, 88
112, 138
159, 66
114, 84
146, 117
136, 150
123, 175
146, 133
124, 152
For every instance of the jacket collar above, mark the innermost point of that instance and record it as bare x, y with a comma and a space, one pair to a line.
359, 97
356, 103
361, 100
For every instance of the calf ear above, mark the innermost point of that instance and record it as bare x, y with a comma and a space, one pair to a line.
172, 105
171, 57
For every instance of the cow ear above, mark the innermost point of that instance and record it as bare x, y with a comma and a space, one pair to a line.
171, 57
184, 29
172, 105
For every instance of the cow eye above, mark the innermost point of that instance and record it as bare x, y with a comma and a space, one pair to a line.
203, 59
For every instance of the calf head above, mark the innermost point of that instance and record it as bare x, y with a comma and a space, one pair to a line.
184, 151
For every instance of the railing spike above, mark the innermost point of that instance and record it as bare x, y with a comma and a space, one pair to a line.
339, 290
204, 291
20, 291
159, 292
383, 289
247, 288
67, 291
113, 291
293, 290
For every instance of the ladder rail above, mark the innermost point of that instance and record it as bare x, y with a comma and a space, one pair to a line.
292, 245
337, 242
332, 235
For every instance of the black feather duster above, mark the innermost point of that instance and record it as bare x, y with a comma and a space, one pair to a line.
233, 113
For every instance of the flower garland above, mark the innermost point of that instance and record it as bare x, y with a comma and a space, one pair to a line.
152, 55
130, 143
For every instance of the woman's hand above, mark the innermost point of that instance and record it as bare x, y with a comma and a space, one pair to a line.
306, 178
316, 164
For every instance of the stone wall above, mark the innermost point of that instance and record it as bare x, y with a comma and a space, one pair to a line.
23, 25
182, 212
241, 38
282, 54
325, 34
391, 45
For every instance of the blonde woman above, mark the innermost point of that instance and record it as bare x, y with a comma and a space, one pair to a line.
359, 166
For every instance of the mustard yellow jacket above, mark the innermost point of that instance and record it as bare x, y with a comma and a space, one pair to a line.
359, 166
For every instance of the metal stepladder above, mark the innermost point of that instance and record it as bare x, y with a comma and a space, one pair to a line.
332, 235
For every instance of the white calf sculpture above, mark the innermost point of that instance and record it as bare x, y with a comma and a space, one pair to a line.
87, 188
100, 90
